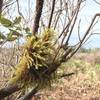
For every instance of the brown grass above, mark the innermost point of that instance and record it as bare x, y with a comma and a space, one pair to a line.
84, 85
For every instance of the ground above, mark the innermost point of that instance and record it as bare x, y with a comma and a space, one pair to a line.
83, 85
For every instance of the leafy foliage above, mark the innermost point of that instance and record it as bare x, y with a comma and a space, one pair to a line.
5, 22
17, 20
2, 36
14, 27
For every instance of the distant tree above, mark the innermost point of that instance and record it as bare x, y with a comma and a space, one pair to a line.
85, 50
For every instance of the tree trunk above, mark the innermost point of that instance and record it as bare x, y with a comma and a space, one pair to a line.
39, 6
1, 4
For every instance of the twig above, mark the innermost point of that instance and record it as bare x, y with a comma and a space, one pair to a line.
50, 20
30, 94
19, 9
76, 15
96, 2
67, 75
84, 37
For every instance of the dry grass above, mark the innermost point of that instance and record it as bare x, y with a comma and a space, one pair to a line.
84, 85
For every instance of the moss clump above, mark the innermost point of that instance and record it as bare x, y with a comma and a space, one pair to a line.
36, 58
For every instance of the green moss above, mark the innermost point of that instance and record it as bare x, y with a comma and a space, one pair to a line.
37, 56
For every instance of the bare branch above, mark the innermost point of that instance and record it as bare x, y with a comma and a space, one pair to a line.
76, 15
79, 30
19, 9
86, 33
39, 6
50, 20
67, 75
29, 95
96, 2
10, 89
1, 4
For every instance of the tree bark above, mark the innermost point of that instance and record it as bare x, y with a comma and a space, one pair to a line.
30, 94
51, 16
39, 7
8, 91
1, 4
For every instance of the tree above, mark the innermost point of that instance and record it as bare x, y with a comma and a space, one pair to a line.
45, 51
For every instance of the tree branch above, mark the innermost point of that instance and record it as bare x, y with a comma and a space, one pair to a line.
1, 4
50, 20
30, 94
66, 75
8, 91
84, 37
39, 7
96, 2
35, 90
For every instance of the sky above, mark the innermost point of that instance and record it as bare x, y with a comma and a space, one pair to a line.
93, 8
86, 14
